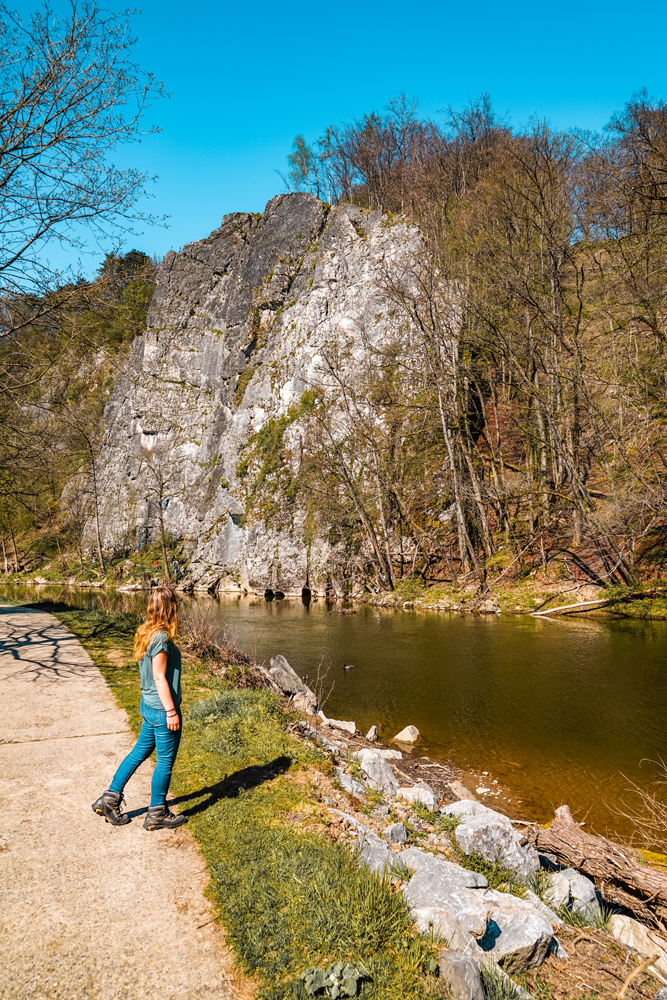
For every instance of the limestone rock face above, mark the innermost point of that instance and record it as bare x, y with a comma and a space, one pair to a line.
233, 342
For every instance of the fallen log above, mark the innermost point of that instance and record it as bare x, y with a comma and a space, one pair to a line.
617, 871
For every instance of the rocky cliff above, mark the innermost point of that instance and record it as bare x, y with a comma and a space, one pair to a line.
233, 342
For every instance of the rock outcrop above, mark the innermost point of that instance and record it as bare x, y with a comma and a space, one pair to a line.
234, 340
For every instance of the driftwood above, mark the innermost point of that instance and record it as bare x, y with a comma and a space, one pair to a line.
621, 878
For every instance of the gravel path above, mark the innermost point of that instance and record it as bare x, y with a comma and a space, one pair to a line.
88, 911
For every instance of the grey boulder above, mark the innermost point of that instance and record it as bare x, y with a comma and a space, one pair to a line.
432, 891
515, 932
478, 921
558, 891
348, 784
395, 834
379, 774
418, 860
290, 683
583, 894
372, 851
492, 835
542, 908
422, 793
461, 973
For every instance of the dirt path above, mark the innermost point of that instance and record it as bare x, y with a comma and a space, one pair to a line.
87, 910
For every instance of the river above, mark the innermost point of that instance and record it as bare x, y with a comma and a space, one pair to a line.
559, 710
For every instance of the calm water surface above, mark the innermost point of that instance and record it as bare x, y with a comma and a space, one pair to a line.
560, 710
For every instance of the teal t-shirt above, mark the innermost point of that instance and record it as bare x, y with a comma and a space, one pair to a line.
148, 690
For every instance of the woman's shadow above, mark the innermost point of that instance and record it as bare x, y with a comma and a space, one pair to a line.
229, 787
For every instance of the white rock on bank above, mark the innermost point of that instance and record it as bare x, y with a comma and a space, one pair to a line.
372, 851
583, 893
379, 774
516, 930
641, 939
372, 734
418, 860
542, 908
431, 892
386, 754
408, 735
558, 892
487, 924
289, 682
346, 727
421, 792
395, 834
492, 834
462, 975
348, 784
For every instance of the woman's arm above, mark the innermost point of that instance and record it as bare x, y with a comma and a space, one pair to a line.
159, 663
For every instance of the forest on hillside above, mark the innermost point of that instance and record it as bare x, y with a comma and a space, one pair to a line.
521, 412
517, 417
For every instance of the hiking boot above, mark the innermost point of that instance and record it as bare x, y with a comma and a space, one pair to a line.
159, 818
108, 805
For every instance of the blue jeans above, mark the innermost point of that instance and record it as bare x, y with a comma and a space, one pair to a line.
154, 735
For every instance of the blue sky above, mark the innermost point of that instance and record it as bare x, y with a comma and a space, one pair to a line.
245, 78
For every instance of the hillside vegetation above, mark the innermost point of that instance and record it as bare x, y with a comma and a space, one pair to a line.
513, 428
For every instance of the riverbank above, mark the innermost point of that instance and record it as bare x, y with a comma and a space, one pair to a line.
259, 794
644, 602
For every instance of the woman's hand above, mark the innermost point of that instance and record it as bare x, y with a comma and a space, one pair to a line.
173, 721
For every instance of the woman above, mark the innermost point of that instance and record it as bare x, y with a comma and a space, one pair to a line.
160, 672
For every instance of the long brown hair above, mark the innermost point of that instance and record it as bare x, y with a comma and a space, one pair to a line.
161, 616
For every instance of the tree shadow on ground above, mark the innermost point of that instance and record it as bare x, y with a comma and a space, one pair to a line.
229, 787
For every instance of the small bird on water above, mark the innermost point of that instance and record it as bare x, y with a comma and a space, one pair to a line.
348, 666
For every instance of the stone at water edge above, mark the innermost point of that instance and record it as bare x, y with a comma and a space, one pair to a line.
492, 834
385, 754
395, 834
462, 974
286, 678
347, 727
420, 793
306, 702
408, 735
461, 792
372, 734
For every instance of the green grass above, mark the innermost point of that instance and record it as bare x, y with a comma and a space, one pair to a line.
498, 875
290, 898
598, 917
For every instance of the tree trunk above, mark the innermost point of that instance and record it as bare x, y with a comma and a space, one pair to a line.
4, 554
167, 574
97, 518
621, 878
16, 555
